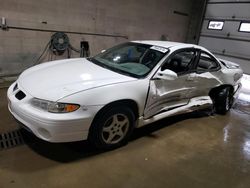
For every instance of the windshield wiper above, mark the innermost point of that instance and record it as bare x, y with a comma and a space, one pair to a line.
98, 63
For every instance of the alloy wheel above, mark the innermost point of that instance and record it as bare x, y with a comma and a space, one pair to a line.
115, 128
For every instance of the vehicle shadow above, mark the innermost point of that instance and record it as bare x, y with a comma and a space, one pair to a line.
69, 152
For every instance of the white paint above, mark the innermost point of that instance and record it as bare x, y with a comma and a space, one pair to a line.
194, 104
166, 75
55, 80
230, 64
78, 81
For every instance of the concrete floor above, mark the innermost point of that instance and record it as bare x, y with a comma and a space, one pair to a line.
193, 150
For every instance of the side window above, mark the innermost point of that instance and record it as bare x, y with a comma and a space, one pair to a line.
181, 62
206, 63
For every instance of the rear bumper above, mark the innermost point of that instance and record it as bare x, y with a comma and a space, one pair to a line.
51, 127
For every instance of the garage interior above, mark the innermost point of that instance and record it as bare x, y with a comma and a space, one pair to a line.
198, 149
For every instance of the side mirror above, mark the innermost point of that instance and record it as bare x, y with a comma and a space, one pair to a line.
166, 75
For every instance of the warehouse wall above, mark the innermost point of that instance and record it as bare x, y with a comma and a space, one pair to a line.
129, 20
228, 43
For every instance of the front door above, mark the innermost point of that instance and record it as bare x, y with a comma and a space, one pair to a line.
165, 95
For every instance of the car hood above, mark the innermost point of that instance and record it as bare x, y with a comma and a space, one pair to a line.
58, 79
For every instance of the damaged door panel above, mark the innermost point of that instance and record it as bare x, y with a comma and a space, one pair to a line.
202, 84
164, 95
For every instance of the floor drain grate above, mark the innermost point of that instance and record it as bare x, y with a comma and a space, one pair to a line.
10, 139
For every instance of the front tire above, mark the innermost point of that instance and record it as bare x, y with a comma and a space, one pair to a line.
112, 128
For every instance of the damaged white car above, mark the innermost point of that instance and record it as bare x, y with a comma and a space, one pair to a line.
103, 98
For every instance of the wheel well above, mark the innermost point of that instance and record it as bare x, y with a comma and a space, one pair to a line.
126, 102
213, 92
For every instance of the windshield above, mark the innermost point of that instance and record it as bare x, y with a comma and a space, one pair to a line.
132, 59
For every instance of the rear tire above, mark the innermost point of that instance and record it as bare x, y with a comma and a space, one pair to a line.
223, 101
112, 128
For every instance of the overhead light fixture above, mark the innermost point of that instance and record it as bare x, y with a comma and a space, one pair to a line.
244, 27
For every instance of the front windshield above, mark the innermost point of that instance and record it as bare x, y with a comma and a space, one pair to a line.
132, 59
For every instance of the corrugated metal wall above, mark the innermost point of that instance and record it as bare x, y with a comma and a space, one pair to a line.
228, 43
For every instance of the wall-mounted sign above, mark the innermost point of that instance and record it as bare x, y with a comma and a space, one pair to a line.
215, 25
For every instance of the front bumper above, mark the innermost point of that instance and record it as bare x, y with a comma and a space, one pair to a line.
48, 126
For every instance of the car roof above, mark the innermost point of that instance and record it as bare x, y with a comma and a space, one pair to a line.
168, 44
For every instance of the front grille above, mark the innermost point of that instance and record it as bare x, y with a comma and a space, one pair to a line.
20, 95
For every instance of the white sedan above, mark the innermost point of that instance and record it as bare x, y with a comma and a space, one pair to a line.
103, 98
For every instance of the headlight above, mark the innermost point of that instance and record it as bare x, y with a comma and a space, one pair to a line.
54, 107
